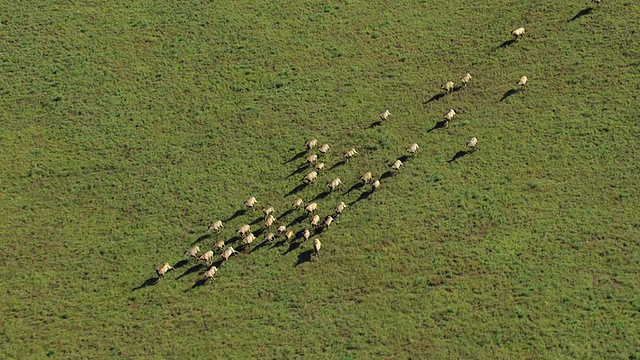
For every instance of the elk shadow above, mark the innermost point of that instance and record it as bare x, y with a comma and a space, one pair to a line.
405, 158
298, 220
243, 248
280, 243
259, 232
355, 187
299, 170
222, 261
233, 240
286, 213
217, 263
191, 270
260, 246
300, 235
296, 190
509, 93
507, 44
296, 156
386, 175
457, 88
180, 264
149, 282
435, 97
197, 284
363, 196
304, 257
256, 221
294, 245
339, 163
581, 13
438, 125
321, 196
201, 238
236, 214
458, 155
375, 124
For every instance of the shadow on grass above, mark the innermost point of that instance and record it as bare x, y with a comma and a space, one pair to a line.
355, 187
581, 13
375, 124
339, 163
386, 175
180, 264
191, 270
243, 248
300, 235
286, 213
321, 196
233, 240
279, 243
149, 282
458, 155
438, 125
435, 97
236, 214
405, 158
256, 221
509, 93
298, 220
363, 196
304, 257
507, 44
294, 245
197, 284
260, 246
201, 238
296, 190
296, 156
299, 170
259, 232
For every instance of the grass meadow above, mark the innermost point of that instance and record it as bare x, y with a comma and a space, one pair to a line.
128, 127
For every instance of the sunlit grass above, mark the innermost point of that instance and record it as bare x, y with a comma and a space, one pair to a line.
128, 128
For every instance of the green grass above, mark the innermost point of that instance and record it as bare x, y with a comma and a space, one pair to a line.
128, 127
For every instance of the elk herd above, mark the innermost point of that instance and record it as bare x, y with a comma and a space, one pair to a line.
316, 223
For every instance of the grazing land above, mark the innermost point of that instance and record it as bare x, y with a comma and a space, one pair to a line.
128, 127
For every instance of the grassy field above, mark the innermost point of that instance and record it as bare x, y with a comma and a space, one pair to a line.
129, 127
